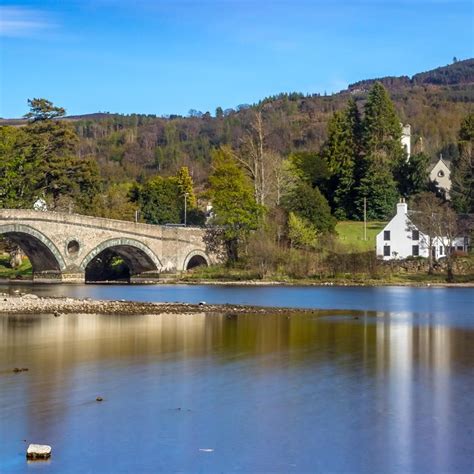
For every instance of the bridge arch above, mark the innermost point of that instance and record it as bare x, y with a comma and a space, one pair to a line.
42, 252
194, 259
136, 255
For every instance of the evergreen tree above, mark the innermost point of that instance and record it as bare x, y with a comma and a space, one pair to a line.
462, 176
382, 153
341, 152
379, 189
18, 177
382, 130
61, 174
42, 109
233, 201
159, 200
40, 160
308, 203
412, 175
310, 167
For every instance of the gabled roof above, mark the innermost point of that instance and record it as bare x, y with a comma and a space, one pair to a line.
446, 163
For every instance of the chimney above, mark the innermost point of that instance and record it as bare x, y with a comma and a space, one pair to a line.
402, 207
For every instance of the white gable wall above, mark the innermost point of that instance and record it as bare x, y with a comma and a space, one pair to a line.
401, 240
442, 175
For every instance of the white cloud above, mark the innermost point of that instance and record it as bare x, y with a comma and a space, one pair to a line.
21, 22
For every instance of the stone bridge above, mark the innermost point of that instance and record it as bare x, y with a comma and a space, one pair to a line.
61, 246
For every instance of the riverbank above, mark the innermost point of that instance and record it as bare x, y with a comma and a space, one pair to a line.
33, 304
415, 282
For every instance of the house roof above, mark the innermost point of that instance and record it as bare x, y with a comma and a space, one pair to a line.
446, 163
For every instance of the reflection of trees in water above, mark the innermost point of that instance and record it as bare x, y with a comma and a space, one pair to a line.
321, 334
56, 350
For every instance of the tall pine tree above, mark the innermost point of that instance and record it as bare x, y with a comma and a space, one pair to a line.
341, 152
382, 152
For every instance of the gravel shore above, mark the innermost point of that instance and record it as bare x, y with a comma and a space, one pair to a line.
33, 304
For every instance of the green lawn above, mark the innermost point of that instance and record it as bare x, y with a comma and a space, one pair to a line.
7, 272
351, 235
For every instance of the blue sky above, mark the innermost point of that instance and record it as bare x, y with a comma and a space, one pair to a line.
170, 56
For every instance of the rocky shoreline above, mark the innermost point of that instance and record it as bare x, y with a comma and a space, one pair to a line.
33, 304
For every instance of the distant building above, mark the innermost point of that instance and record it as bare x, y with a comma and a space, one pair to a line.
406, 139
40, 205
400, 239
440, 173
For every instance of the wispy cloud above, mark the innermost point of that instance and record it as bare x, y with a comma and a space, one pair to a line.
23, 22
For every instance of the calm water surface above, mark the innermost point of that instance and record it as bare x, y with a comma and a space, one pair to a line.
390, 391
439, 301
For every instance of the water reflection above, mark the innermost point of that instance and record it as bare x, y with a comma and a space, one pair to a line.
328, 391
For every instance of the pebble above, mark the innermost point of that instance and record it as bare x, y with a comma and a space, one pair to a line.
38, 451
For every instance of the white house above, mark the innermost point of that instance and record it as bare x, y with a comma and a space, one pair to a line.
441, 173
401, 239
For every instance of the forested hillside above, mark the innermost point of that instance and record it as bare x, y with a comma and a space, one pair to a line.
434, 103
138, 146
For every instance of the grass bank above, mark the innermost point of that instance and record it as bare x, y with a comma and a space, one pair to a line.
222, 274
350, 235
24, 271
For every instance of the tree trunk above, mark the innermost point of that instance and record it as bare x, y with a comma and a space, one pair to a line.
450, 271
430, 258
232, 247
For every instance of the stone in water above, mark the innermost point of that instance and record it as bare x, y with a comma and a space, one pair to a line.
38, 451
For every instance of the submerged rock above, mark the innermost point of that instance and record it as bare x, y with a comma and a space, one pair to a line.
38, 451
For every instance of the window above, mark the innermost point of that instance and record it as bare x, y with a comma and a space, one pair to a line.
415, 235
440, 174
386, 251
415, 250
441, 250
460, 247
386, 235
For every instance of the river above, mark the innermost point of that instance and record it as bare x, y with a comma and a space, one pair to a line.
385, 386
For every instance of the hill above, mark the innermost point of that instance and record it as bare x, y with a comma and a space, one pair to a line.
134, 146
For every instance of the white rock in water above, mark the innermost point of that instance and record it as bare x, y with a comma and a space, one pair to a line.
38, 451
29, 296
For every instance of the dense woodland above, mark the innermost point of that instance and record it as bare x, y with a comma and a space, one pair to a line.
282, 171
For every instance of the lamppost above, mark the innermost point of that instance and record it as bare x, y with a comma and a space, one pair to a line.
185, 207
